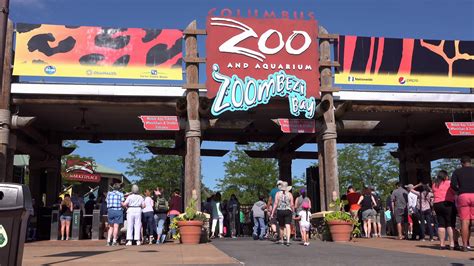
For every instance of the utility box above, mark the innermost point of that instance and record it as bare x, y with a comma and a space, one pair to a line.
15, 209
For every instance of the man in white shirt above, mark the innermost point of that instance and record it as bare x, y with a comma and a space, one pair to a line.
134, 204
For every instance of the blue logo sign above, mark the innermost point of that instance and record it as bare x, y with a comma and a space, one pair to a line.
50, 70
236, 94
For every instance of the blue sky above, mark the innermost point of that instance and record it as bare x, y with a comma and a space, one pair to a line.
438, 19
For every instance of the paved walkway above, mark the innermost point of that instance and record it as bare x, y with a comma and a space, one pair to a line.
86, 252
252, 252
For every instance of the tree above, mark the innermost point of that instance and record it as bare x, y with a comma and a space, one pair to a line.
156, 170
247, 177
364, 165
446, 164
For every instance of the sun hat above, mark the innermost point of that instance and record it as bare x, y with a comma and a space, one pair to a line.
284, 186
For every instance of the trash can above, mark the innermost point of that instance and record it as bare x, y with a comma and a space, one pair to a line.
15, 208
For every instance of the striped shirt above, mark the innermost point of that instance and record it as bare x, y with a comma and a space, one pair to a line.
114, 200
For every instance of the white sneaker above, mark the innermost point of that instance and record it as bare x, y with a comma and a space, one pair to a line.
151, 241
139, 243
129, 243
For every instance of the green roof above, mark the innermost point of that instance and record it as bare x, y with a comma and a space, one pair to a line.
102, 169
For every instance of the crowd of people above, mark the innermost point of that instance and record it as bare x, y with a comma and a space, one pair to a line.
443, 209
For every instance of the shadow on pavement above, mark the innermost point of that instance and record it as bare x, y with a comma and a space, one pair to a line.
78, 255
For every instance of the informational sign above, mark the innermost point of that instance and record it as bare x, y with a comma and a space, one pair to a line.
405, 62
83, 171
166, 123
297, 125
460, 128
98, 52
250, 61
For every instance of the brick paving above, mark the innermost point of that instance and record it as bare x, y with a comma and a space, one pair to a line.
86, 252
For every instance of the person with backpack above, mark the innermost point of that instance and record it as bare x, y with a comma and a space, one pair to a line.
160, 209
378, 212
284, 208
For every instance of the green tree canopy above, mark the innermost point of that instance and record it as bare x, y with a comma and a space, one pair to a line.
154, 170
247, 177
448, 165
364, 165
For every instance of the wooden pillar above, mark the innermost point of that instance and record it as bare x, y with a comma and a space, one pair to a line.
192, 171
10, 159
35, 180
322, 181
53, 180
284, 167
409, 161
6, 51
328, 134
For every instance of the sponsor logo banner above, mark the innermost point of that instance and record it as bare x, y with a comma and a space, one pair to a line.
77, 170
297, 125
250, 61
98, 52
460, 128
166, 123
405, 62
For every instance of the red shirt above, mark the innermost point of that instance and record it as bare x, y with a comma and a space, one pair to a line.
353, 198
443, 192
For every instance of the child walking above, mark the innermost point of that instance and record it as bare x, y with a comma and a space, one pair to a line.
305, 218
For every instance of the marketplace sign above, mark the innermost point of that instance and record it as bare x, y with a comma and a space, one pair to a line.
98, 52
460, 128
83, 171
155, 122
251, 60
405, 62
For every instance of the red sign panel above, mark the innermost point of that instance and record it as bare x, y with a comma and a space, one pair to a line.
297, 125
77, 170
166, 123
460, 128
251, 60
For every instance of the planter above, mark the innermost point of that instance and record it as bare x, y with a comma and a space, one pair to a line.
340, 230
190, 231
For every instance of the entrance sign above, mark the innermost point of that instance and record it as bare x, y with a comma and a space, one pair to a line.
98, 52
166, 123
250, 61
405, 62
77, 170
297, 125
460, 128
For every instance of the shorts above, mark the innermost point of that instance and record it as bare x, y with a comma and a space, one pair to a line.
368, 215
115, 216
445, 213
377, 217
305, 226
466, 206
401, 215
273, 220
284, 217
65, 218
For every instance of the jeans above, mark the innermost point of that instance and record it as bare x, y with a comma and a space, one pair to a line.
232, 223
219, 219
259, 223
426, 218
134, 224
150, 223
160, 219
173, 231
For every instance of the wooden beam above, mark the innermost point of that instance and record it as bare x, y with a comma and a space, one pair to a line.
200, 60
181, 152
377, 107
230, 123
328, 36
341, 109
278, 154
194, 32
192, 167
282, 142
329, 64
299, 141
329, 89
358, 125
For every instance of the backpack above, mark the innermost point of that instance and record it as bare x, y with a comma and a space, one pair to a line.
377, 208
161, 205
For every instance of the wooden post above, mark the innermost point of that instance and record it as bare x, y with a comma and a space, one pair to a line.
6, 51
328, 134
322, 180
284, 168
192, 171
